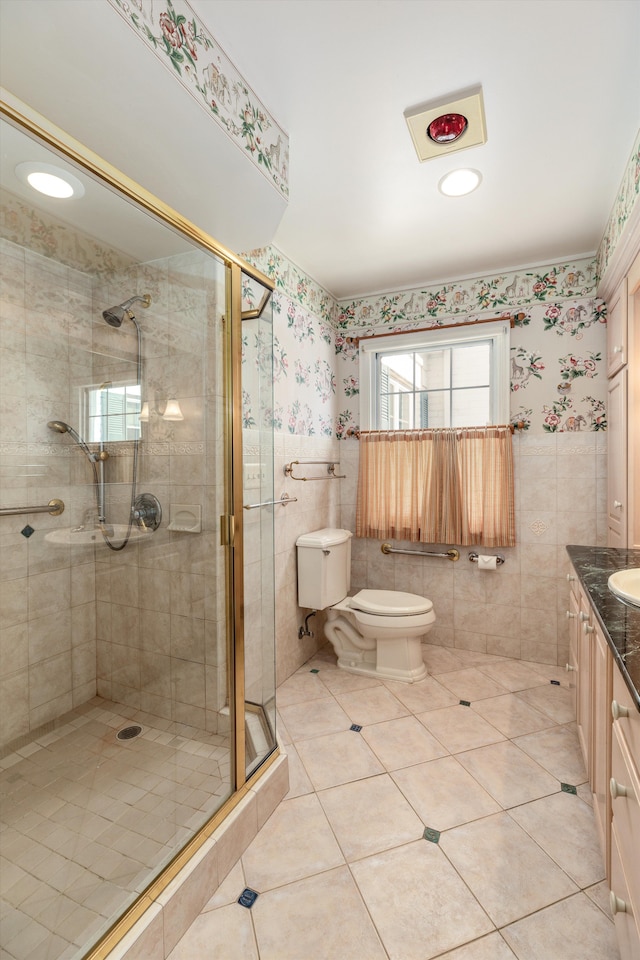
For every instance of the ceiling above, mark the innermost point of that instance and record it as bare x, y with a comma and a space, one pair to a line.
561, 84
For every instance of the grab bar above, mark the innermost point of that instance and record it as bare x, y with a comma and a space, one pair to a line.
452, 554
284, 500
55, 507
331, 470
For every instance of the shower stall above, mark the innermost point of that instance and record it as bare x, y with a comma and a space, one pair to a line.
137, 685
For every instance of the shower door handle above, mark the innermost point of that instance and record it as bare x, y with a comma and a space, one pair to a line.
284, 500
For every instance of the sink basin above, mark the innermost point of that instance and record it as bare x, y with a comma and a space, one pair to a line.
89, 536
626, 585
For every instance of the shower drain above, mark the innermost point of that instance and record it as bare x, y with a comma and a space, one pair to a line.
129, 733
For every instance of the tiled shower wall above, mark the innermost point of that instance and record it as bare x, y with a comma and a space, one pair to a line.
151, 617
161, 601
47, 592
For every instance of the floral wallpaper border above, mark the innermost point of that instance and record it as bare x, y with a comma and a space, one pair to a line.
294, 283
172, 32
625, 201
501, 292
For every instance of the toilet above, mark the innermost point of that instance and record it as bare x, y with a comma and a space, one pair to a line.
374, 633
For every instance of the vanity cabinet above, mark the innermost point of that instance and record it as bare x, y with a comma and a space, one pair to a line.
623, 411
601, 684
617, 460
625, 805
608, 723
580, 643
617, 330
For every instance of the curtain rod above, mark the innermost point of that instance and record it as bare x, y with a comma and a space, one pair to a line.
352, 432
448, 326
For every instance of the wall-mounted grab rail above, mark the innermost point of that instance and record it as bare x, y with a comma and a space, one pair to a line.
284, 500
55, 507
331, 469
451, 554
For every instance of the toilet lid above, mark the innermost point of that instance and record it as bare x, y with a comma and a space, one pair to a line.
390, 603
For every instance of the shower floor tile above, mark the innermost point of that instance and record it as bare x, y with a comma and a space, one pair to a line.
515, 873
107, 815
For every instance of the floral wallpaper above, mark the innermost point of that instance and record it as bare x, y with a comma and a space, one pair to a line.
301, 366
172, 31
558, 378
626, 198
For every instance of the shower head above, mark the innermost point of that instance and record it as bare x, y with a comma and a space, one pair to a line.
115, 315
61, 427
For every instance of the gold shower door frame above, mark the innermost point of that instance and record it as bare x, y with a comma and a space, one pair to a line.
231, 523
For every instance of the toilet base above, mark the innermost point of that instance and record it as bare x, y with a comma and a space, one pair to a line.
367, 669
399, 658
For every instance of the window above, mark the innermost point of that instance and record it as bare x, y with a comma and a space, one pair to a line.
111, 412
435, 378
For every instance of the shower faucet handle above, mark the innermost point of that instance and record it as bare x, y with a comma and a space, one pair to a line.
147, 512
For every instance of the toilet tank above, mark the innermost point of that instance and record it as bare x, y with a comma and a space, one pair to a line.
324, 567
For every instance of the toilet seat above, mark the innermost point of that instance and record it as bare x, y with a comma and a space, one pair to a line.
390, 603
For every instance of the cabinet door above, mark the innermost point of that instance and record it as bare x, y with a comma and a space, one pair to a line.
621, 906
617, 330
617, 461
633, 409
583, 706
601, 683
572, 664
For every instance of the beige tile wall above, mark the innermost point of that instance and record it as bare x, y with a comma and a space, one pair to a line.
519, 609
47, 592
161, 631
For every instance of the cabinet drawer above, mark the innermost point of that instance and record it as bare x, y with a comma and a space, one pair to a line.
626, 813
624, 919
627, 726
574, 582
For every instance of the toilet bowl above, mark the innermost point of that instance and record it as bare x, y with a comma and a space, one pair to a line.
375, 632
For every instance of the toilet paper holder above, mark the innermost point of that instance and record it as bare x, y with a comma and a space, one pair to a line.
474, 558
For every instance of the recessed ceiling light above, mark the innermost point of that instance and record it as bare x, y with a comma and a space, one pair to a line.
50, 180
459, 182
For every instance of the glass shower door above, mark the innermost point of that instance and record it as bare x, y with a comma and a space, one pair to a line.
259, 512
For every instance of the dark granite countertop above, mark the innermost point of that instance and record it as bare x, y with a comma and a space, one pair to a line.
619, 620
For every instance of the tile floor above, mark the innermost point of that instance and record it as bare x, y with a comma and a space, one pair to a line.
86, 822
510, 866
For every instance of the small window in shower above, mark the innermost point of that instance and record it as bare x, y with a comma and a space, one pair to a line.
112, 412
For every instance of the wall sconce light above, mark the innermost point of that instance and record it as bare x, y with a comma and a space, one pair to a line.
172, 411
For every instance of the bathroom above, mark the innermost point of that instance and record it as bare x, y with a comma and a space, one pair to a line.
560, 475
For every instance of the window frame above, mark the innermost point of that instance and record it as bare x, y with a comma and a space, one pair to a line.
371, 348
86, 418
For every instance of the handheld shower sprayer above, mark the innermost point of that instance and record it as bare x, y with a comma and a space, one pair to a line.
61, 427
115, 315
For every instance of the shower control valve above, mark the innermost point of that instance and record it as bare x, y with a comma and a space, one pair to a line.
147, 511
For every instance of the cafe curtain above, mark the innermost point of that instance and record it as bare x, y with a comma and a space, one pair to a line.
450, 486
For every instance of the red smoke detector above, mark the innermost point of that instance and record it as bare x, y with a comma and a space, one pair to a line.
447, 127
